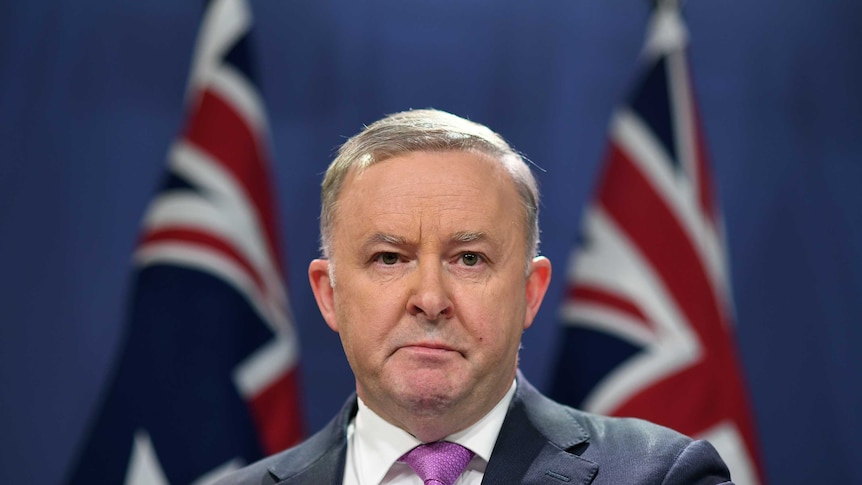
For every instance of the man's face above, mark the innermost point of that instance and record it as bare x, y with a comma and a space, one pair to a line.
431, 294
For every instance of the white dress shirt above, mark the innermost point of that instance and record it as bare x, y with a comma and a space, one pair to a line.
374, 446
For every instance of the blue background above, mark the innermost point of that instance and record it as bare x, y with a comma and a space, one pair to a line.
91, 96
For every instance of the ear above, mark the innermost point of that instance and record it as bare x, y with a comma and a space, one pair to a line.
537, 285
321, 285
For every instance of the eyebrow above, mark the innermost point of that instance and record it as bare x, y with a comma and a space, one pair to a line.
469, 236
380, 237
458, 237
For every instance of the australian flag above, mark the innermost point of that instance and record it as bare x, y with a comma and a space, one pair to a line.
207, 377
648, 321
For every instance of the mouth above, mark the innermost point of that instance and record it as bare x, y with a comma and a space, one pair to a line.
430, 349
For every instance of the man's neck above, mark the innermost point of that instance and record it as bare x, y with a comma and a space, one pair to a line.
433, 421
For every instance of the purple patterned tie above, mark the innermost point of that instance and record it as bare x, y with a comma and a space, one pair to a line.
440, 462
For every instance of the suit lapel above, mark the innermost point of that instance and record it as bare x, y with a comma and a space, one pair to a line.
539, 444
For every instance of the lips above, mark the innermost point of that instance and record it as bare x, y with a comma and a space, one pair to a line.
430, 348
432, 345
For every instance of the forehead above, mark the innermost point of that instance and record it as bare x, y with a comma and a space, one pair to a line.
453, 191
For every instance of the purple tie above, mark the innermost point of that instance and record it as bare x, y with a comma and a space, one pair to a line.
440, 462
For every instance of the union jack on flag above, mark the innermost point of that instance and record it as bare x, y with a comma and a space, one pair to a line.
648, 323
208, 376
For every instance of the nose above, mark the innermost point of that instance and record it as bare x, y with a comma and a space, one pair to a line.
429, 296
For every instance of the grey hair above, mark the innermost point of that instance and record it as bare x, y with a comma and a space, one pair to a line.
426, 130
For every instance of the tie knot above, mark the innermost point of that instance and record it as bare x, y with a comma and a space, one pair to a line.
440, 462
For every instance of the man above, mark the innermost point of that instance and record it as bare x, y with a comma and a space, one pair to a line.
429, 231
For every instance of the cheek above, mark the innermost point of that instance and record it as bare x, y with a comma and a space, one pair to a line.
494, 317
365, 317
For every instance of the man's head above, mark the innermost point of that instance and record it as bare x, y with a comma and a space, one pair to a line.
427, 223
432, 131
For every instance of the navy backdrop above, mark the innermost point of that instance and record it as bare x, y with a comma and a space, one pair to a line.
91, 96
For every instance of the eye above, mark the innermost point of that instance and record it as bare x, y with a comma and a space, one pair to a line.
387, 258
470, 259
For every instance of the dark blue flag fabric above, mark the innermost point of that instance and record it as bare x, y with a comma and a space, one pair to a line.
647, 318
207, 378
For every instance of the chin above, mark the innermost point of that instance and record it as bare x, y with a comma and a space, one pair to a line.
429, 397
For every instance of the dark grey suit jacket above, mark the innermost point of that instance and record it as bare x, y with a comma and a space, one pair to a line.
541, 442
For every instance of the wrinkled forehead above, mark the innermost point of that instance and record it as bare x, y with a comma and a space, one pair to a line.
430, 196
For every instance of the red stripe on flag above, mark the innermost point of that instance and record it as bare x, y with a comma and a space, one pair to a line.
214, 243
276, 413
216, 128
592, 294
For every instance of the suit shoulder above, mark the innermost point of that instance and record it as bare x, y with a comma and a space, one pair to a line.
632, 430
321, 453
663, 455
305, 456
612, 435
315, 460
254, 474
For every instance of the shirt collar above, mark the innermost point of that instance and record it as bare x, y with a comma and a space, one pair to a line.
379, 444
